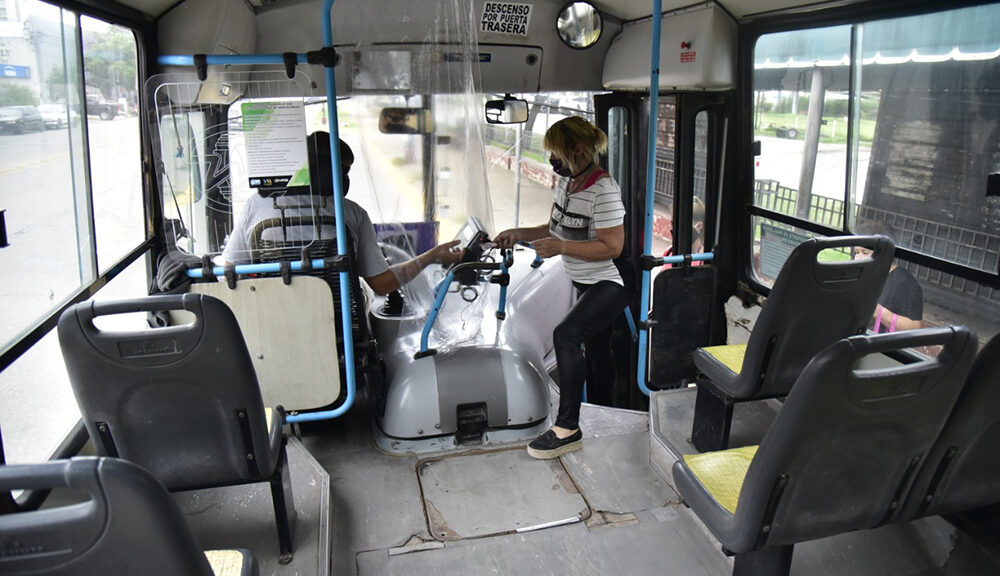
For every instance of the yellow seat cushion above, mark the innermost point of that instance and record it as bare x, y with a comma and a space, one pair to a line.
722, 473
730, 356
225, 562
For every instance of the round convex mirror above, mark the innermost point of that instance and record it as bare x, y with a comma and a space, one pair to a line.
579, 25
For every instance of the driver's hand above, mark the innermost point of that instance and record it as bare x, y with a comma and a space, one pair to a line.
448, 253
507, 238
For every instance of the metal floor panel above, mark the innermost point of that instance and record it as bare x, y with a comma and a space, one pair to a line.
650, 547
243, 517
614, 474
496, 492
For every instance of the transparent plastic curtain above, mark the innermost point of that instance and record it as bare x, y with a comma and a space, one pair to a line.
438, 177
432, 180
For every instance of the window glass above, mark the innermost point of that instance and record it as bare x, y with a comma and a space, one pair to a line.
700, 199
929, 87
924, 118
527, 193
38, 408
800, 83
112, 96
42, 186
663, 186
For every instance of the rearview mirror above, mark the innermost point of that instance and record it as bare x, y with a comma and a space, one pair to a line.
507, 111
405, 121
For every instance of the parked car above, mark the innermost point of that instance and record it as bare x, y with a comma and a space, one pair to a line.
20, 119
55, 115
97, 105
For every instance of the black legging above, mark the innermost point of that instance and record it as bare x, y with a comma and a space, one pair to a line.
589, 322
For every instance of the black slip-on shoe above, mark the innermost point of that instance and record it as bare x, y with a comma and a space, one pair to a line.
548, 445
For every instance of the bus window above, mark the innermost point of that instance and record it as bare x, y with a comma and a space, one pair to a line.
112, 97
923, 120
49, 254
68, 221
665, 175
800, 119
525, 200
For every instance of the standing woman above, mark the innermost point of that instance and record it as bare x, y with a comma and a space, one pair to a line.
587, 228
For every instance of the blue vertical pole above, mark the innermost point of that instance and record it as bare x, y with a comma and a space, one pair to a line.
654, 93
338, 208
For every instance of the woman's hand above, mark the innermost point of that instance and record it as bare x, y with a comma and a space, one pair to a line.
507, 238
548, 247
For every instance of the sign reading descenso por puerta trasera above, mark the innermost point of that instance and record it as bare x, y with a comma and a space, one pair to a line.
506, 18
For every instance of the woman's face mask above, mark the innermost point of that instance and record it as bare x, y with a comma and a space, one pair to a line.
559, 167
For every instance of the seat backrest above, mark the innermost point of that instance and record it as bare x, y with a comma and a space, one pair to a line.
844, 450
180, 401
812, 305
130, 525
284, 238
963, 470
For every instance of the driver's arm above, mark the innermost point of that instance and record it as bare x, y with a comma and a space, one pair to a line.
402, 273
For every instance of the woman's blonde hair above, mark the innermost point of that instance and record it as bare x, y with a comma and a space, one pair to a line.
563, 136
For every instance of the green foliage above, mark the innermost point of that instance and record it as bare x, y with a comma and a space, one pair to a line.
14, 95
109, 60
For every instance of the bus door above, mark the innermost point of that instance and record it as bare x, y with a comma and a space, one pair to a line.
685, 310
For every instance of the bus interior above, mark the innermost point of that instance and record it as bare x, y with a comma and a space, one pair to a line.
805, 378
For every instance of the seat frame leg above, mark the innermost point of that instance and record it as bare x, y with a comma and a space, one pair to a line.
713, 418
284, 506
768, 561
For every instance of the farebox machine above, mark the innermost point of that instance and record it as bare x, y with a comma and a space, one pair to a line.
477, 394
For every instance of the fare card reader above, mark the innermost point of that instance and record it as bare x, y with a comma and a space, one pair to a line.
471, 237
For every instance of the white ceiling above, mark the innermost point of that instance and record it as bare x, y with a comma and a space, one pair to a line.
622, 9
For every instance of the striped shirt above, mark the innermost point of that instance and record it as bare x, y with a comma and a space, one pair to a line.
577, 217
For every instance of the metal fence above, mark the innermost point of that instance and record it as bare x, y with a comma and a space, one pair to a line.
960, 245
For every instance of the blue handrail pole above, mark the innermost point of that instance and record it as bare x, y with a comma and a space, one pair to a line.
338, 210
234, 59
631, 324
263, 268
502, 306
440, 292
654, 104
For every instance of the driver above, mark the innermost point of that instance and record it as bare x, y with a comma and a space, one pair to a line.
371, 264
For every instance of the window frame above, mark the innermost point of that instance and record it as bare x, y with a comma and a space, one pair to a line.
803, 19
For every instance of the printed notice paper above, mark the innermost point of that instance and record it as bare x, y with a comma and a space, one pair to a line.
275, 141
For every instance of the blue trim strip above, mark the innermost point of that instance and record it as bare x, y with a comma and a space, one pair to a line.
654, 104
